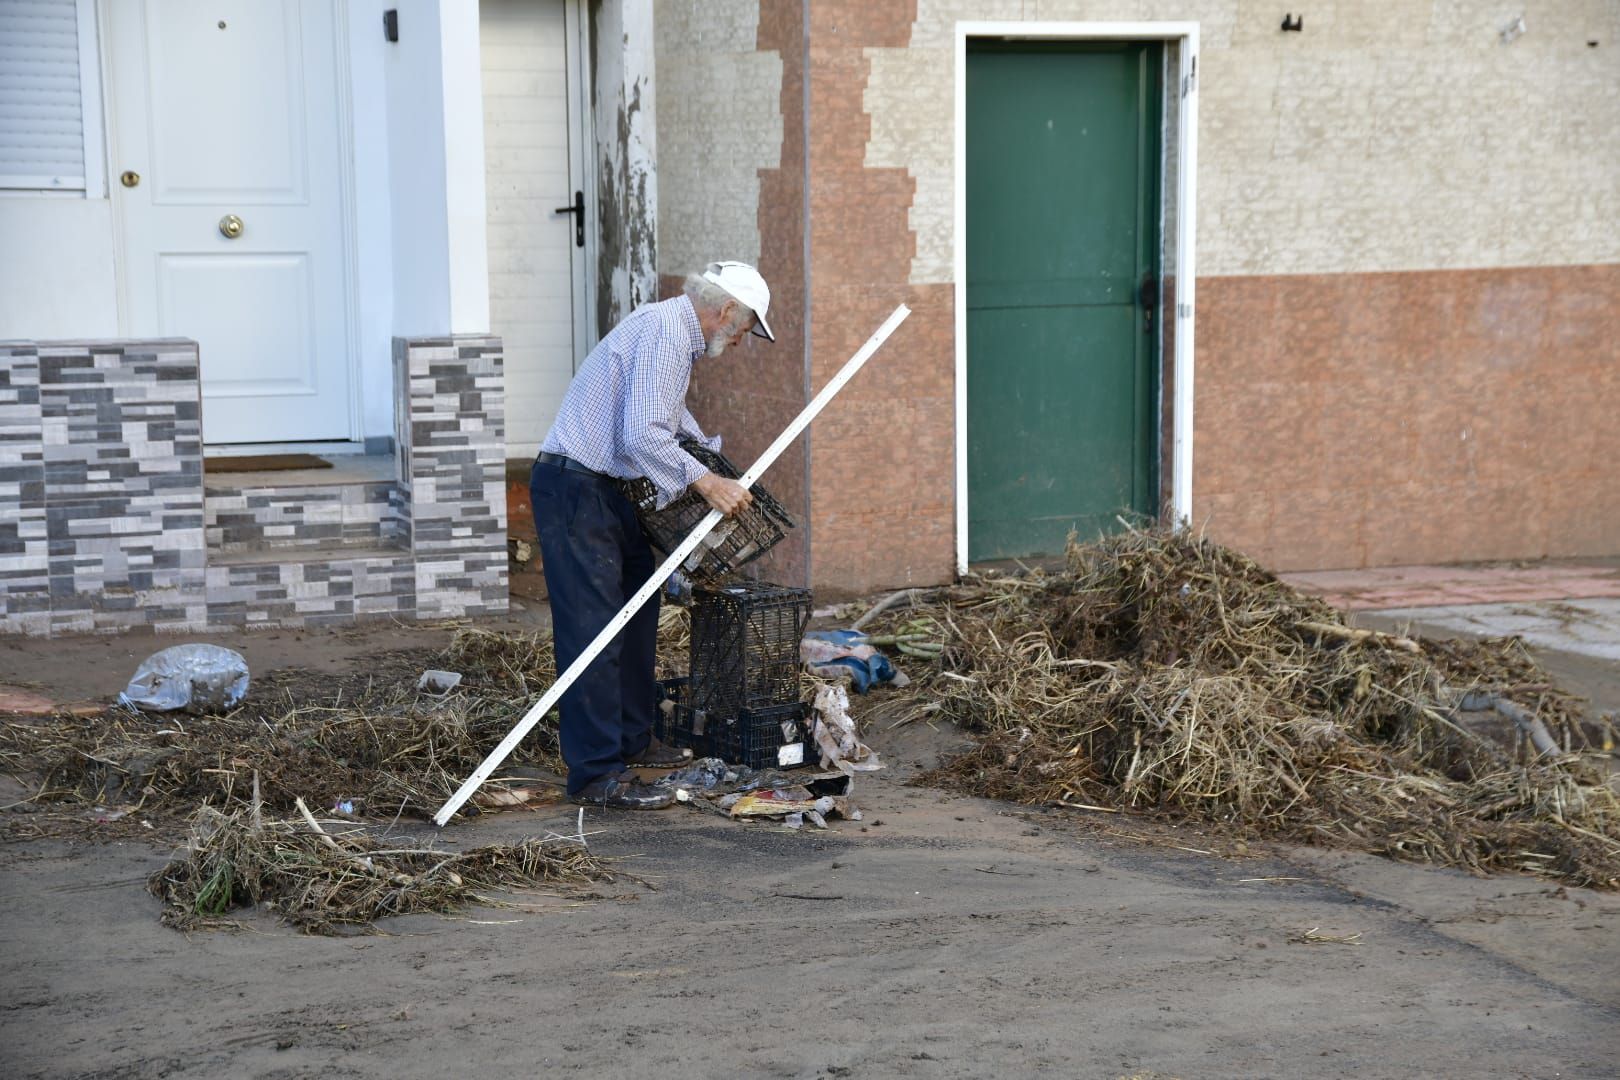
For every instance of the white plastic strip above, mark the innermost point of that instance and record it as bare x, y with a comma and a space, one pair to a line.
554, 694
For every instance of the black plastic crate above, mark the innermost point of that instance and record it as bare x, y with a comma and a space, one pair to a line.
675, 692
768, 738
734, 542
745, 646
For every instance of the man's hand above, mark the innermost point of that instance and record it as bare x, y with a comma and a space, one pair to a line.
726, 496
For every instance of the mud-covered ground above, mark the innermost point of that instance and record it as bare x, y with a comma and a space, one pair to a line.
941, 937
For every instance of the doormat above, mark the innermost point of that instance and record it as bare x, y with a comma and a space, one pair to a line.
264, 463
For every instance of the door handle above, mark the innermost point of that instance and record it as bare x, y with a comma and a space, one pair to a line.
1149, 296
231, 226
578, 210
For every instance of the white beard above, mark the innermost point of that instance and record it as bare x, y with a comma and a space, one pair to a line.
717, 345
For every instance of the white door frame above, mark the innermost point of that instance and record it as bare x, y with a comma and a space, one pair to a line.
1186, 179
351, 239
582, 173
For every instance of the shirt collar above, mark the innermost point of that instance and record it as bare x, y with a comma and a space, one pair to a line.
694, 329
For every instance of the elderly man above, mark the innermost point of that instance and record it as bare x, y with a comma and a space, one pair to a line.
621, 418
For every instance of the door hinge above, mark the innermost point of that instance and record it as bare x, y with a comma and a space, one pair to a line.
1183, 311
1190, 82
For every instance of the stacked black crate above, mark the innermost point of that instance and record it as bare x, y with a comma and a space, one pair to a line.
741, 701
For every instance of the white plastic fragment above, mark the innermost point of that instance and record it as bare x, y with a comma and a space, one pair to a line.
439, 682
836, 737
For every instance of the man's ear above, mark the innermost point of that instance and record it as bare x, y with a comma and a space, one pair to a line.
727, 310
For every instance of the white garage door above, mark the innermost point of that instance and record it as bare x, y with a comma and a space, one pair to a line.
533, 258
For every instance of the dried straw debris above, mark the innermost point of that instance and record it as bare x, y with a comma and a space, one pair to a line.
1162, 671
371, 739
319, 881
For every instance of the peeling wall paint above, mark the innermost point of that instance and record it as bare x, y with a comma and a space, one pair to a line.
622, 110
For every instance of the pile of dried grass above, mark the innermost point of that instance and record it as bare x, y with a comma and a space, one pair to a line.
674, 641
1162, 670
370, 739
318, 880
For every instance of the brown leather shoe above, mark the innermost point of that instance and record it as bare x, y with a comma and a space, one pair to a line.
623, 792
660, 755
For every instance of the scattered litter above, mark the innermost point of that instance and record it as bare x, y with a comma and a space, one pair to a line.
773, 802
196, 678
846, 656
835, 735
704, 774
345, 807
678, 588
438, 682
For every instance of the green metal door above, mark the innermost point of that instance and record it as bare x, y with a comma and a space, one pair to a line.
1062, 263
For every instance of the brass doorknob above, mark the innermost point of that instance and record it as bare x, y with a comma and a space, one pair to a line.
130, 178
230, 226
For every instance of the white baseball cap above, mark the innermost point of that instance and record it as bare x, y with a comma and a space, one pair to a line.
744, 283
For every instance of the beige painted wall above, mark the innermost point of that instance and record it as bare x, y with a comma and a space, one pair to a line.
1389, 135
719, 123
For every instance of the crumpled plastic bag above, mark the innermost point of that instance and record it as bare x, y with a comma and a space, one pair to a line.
704, 774
194, 678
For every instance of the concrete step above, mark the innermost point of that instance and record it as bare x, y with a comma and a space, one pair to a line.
356, 505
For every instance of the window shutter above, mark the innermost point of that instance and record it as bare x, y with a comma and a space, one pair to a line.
41, 113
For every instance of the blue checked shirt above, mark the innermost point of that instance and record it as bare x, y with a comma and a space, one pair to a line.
627, 405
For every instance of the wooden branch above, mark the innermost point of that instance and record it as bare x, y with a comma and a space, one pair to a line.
326, 837
883, 605
1356, 637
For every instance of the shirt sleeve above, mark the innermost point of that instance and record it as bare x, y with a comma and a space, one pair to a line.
654, 404
689, 428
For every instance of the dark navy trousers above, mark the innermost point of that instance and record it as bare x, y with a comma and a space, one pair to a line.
595, 557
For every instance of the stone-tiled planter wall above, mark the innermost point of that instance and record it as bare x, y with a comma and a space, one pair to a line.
102, 505
103, 453
452, 448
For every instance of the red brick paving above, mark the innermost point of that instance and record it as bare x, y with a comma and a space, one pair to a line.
1437, 586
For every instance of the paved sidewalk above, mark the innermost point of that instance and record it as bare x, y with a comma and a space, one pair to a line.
1385, 587
1571, 607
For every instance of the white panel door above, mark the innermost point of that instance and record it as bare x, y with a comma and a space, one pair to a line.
227, 110
532, 250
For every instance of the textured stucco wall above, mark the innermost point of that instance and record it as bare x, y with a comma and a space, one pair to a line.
719, 125
731, 170
1389, 135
